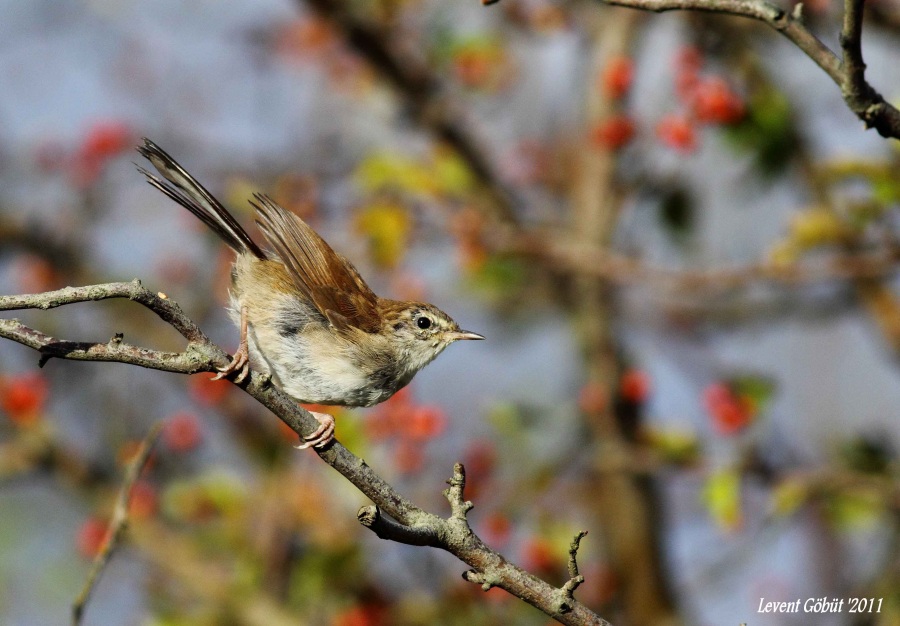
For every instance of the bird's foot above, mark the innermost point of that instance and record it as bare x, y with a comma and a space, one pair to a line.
240, 364
322, 435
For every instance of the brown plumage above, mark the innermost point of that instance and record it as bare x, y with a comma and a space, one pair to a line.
307, 317
320, 274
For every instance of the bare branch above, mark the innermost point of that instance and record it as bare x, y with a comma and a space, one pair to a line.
860, 97
117, 524
412, 523
491, 569
116, 350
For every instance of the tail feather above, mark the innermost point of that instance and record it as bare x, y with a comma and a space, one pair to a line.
186, 191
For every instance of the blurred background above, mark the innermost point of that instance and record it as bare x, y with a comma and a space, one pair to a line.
679, 242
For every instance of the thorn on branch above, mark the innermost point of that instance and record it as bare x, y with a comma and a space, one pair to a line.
454, 494
567, 591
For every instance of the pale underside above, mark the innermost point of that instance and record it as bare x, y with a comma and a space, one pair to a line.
291, 340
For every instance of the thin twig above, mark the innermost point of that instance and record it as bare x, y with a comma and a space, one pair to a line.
459, 507
619, 269
117, 524
573, 553
857, 92
567, 591
114, 351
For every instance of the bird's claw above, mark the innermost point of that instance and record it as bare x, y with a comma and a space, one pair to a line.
322, 435
240, 363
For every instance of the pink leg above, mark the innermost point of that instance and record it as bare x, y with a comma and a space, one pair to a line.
322, 435
240, 362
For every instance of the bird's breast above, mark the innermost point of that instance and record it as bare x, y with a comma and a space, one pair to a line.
315, 365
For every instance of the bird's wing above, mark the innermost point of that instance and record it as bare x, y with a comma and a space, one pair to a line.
320, 274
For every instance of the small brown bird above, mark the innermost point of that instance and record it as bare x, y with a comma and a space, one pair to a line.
307, 317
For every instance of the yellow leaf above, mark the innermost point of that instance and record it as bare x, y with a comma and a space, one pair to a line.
387, 228
857, 509
238, 191
722, 497
816, 227
784, 253
674, 445
389, 171
452, 175
788, 496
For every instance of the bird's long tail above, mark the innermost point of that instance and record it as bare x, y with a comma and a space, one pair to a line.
186, 191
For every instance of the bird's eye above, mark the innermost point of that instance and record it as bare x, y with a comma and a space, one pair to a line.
423, 322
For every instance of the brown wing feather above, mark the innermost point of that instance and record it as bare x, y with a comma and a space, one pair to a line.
323, 276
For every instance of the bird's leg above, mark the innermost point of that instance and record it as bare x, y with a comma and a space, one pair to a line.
240, 362
322, 435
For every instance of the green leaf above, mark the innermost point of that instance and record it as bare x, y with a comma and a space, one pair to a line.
758, 390
859, 509
677, 213
767, 130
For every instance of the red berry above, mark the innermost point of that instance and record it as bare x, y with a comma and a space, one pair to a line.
716, 394
392, 417
182, 432
689, 59
144, 500
714, 102
497, 529
538, 555
34, 274
425, 422
22, 397
409, 456
103, 141
686, 83
91, 537
106, 139
677, 131
360, 615
617, 76
730, 412
593, 398
634, 386
206, 391
613, 133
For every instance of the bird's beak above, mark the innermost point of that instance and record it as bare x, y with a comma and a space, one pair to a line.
456, 335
